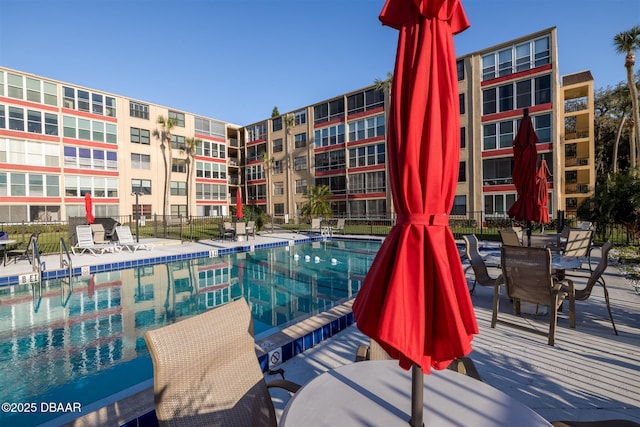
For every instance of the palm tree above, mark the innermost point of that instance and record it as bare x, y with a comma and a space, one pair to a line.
189, 149
266, 164
318, 202
164, 135
289, 122
383, 84
627, 42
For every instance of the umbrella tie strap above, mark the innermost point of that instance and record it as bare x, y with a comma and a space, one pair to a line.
424, 219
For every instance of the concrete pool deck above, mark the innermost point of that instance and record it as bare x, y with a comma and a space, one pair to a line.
590, 374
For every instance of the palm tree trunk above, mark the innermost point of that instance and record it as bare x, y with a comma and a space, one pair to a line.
629, 64
166, 184
617, 144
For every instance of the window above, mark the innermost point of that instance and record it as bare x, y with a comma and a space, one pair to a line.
462, 172
256, 132
543, 89
459, 205
178, 211
177, 117
142, 186
368, 155
505, 63
461, 101
278, 188
83, 100
16, 118
208, 127
34, 121
300, 140
330, 160
329, 135
140, 161
498, 204
523, 58
178, 188
278, 208
3, 117
542, 126
140, 111
15, 86
489, 136
33, 90
90, 130
365, 101
460, 67
140, 136
276, 124
277, 145
523, 91
463, 137
178, 165
300, 163
489, 101
506, 137
301, 186
300, 117
50, 124
371, 127
211, 149
177, 142
277, 167
206, 191
497, 171
505, 97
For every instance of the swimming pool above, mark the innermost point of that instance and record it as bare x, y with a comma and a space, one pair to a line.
83, 341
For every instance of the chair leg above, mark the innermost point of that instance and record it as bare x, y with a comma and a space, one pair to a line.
553, 320
606, 298
496, 298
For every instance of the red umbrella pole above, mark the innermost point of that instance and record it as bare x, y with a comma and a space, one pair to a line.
417, 380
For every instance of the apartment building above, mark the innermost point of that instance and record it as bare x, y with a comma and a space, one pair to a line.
59, 141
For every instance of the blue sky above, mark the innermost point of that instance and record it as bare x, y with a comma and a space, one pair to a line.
235, 60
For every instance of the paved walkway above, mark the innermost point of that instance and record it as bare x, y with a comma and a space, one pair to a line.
590, 374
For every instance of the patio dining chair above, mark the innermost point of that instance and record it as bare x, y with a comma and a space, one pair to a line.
477, 263
596, 279
528, 278
206, 371
510, 238
23, 251
463, 365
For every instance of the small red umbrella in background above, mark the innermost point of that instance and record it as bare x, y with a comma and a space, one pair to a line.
239, 214
88, 207
414, 300
525, 159
542, 192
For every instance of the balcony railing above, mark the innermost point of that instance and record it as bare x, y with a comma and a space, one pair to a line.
577, 188
576, 161
568, 135
577, 104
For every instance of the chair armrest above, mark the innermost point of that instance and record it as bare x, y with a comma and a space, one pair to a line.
290, 386
362, 353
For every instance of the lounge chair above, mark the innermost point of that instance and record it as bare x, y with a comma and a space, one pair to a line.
206, 371
24, 251
316, 227
251, 229
596, 278
478, 265
86, 243
339, 227
125, 239
527, 278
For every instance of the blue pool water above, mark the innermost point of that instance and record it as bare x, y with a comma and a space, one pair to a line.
84, 342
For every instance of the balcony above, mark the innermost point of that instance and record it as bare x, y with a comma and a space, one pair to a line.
576, 104
233, 142
575, 188
576, 161
573, 134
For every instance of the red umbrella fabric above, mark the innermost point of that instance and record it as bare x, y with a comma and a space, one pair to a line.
525, 158
414, 300
239, 214
542, 193
88, 207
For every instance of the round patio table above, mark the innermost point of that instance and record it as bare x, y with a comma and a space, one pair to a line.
378, 393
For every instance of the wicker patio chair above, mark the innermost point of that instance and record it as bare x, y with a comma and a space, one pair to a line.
527, 277
206, 372
510, 238
481, 274
373, 351
596, 279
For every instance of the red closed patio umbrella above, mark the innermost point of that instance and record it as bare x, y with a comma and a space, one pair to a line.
239, 214
88, 207
542, 192
525, 158
414, 300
